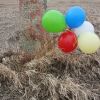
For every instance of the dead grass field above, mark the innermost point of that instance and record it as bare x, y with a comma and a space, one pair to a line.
54, 76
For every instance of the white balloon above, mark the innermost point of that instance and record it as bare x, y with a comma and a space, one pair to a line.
85, 27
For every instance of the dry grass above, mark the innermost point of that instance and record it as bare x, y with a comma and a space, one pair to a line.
52, 77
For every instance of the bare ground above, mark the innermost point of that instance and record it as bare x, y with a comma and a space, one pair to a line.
54, 76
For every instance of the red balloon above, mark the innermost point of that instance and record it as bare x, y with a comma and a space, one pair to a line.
67, 42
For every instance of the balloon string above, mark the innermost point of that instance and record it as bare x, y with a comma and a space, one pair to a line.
68, 29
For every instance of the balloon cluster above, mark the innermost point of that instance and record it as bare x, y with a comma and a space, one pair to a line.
77, 31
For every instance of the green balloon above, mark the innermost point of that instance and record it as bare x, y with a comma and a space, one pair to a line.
53, 21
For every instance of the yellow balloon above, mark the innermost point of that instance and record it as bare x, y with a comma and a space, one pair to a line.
88, 43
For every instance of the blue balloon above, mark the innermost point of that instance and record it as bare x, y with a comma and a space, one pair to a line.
75, 17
